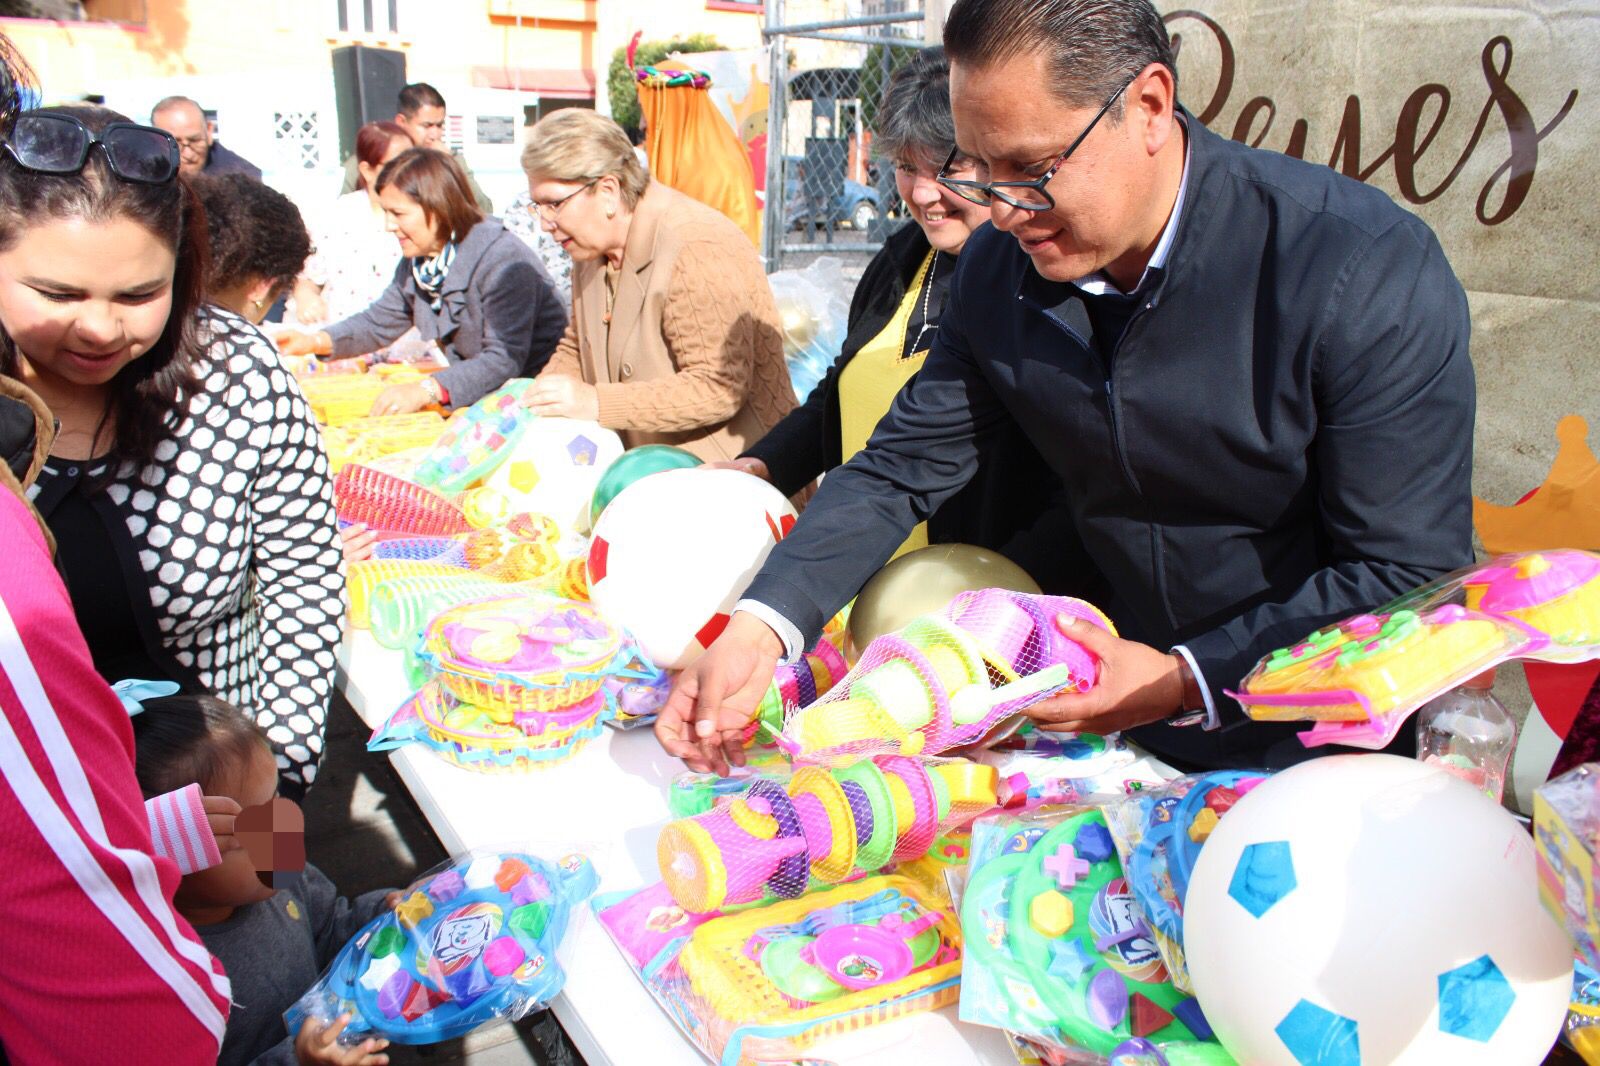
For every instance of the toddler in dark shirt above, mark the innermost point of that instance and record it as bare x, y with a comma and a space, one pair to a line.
274, 928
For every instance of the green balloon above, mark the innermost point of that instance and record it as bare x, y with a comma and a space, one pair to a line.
632, 465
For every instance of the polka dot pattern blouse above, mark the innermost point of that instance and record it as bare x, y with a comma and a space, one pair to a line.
235, 532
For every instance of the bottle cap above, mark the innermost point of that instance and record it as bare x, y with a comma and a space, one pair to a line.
1482, 682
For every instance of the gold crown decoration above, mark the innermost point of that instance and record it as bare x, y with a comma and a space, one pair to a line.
1564, 512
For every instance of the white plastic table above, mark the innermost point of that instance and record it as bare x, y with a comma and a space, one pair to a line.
610, 801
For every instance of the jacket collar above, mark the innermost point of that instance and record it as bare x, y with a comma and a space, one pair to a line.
469, 251
638, 254
1208, 166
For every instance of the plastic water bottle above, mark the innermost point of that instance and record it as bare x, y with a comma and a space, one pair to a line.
1469, 733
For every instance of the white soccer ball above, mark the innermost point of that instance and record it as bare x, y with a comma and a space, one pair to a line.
1365, 909
554, 469
673, 552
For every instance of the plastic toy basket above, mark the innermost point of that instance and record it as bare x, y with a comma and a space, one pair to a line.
399, 608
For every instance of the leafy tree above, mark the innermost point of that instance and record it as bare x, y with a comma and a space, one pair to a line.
619, 79
881, 61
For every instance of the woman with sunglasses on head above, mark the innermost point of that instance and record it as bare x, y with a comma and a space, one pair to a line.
112, 964
187, 488
674, 337
465, 283
894, 318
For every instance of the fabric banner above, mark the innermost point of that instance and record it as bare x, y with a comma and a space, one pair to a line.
1484, 119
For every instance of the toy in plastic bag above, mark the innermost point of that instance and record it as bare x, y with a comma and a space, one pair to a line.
522, 652
1056, 948
946, 680
1039, 767
1566, 826
1581, 1030
691, 793
477, 440
766, 984
1361, 679
475, 739
814, 307
826, 825
1159, 833
473, 941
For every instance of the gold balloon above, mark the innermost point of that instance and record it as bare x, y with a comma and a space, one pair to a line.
799, 323
922, 582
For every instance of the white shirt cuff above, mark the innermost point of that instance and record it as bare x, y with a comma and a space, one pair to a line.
787, 631
1212, 720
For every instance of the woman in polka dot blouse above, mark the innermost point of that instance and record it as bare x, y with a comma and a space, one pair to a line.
187, 489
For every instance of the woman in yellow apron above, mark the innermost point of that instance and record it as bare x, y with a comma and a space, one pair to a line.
893, 322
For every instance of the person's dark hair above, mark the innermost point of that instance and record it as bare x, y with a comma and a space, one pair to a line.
436, 181
418, 95
148, 394
256, 233
184, 740
1094, 46
372, 143
914, 116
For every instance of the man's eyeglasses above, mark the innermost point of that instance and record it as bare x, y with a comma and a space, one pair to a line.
1028, 195
59, 144
549, 211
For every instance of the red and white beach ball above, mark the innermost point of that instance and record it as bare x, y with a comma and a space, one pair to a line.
674, 551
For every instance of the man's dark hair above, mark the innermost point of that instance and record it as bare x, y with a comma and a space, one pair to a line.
1094, 46
418, 95
256, 232
184, 740
914, 117
149, 395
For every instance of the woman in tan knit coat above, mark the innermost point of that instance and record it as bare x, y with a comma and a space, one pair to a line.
673, 337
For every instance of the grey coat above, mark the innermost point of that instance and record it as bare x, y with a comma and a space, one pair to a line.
500, 317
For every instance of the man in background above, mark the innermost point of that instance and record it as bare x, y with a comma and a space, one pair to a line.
422, 115
199, 152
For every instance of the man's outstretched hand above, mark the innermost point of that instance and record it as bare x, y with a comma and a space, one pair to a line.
714, 697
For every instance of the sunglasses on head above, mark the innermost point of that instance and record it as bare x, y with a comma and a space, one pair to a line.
59, 144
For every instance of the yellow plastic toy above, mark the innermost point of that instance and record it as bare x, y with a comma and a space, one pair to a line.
826, 963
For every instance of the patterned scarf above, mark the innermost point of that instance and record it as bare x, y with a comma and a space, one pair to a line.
430, 274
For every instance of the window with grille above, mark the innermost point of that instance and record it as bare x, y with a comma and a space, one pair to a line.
367, 16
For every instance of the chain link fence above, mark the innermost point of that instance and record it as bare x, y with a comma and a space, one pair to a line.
828, 194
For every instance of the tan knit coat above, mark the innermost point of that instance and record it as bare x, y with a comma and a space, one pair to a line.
693, 352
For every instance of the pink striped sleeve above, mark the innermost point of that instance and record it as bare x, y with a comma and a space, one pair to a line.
180, 831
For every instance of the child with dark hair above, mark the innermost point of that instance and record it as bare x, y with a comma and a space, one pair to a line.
259, 243
274, 932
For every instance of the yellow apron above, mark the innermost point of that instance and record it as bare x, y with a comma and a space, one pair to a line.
874, 377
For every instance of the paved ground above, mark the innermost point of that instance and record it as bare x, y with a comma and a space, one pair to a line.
364, 832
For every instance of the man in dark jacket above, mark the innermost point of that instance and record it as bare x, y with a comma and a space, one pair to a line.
1250, 372
199, 152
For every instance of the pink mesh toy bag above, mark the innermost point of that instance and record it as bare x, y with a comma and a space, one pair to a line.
945, 680
822, 826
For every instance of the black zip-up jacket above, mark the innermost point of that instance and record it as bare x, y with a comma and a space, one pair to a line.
1014, 502
1280, 437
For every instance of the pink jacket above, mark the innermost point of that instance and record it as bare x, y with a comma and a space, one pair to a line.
101, 965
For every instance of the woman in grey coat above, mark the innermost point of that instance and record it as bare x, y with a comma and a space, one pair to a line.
466, 283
